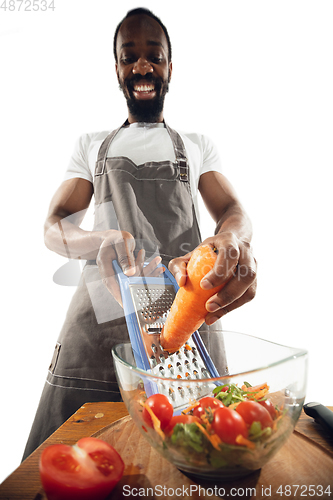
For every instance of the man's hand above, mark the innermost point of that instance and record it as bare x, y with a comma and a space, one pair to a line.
120, 245
235, 265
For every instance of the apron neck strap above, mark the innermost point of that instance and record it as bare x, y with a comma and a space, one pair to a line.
177, 142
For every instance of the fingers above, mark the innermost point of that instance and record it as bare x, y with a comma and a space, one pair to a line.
124, 245
104, 260
139, 262
118, 245
247, 297
241, 280
152, 270
178, 267
228, 255
236, 268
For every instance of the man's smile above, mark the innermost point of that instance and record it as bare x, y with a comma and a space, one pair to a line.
144, 90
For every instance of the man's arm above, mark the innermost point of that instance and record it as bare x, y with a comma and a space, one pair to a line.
63, 235
232, 239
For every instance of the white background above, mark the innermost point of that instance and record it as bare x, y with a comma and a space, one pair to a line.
255, 76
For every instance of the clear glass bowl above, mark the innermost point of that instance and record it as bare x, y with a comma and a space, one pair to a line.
238, 358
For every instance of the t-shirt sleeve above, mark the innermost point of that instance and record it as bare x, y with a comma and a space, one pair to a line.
211, 158
79, 165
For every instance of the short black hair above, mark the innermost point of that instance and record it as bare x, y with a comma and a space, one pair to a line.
137, 12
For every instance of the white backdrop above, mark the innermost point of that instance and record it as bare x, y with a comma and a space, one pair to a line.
255, 76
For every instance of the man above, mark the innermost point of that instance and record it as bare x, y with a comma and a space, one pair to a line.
144, 177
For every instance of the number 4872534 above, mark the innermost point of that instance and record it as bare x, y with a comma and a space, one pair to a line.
27, 5
297, 490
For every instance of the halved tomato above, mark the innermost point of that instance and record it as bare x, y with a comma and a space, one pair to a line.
89, 470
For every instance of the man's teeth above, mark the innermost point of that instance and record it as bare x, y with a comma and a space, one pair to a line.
143, 88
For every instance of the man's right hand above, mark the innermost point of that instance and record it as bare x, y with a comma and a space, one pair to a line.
64, 236
120, 245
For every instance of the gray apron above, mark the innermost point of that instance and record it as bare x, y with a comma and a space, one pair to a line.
153, 202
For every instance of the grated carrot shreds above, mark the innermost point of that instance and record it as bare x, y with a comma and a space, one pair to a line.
206, 422
274, 428
216, 439
208, 436
255, 388
196, 403
260, 394
155, 420
234, 405
241, 440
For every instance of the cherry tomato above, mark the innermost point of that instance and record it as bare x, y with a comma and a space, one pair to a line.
161, 407
266, 403
206, 402
228, 424
181, 419
89, 470
252, 411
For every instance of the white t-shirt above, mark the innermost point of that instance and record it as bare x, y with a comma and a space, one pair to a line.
145, 142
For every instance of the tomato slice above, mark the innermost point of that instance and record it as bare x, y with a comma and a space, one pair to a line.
228, 424
162, 409
89, 470
252, 411
181, 419
207, 402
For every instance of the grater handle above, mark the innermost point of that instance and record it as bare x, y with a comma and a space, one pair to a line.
196, 336
130, 317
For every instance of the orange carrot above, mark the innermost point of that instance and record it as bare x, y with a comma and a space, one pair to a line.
188, 310
214, 440
241, 440
255, 388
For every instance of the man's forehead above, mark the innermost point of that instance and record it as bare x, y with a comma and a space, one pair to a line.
141, 27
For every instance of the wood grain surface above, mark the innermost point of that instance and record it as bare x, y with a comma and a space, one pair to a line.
299, 462
307, 458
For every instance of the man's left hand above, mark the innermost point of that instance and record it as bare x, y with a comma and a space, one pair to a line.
235, 264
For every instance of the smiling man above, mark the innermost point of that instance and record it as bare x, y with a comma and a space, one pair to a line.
140, 41
146, 178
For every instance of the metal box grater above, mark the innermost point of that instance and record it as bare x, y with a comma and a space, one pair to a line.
147, 302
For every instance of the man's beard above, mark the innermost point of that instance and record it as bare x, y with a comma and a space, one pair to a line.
145, 110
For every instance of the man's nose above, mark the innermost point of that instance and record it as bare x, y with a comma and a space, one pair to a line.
142, 67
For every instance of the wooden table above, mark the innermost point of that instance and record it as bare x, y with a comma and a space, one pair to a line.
24, 482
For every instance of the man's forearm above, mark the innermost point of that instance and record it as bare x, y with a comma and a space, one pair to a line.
69, 240
235, 220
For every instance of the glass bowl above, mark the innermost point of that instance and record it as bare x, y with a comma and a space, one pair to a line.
243, 362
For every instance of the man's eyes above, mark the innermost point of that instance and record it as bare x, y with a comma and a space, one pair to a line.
155, 59
127, 60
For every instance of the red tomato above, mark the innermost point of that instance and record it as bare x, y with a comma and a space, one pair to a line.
228, 424
181, 419
89, 470
252, 411
161, 407
266, 403
206, 402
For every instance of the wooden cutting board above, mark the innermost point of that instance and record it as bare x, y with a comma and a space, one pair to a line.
300, 463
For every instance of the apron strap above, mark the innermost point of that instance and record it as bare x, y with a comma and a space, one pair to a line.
178, 146
103, 151
180, 152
